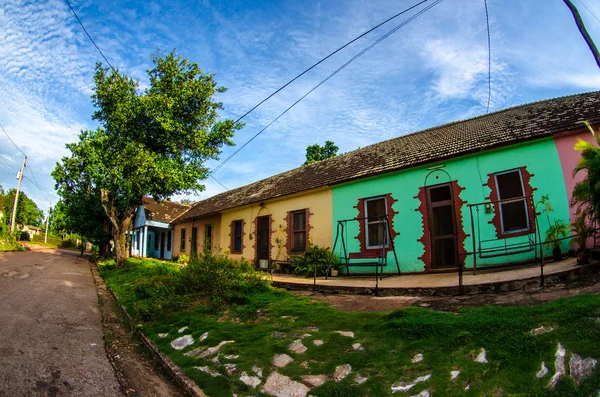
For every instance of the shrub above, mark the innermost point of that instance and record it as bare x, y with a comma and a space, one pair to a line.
24, 236
222, 279
68, 243
183, 259
157, 286
304, 264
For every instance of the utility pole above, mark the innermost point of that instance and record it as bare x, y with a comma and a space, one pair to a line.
47, 219
20, 178
583, 31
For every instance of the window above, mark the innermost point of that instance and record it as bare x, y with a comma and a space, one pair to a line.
169, 237
207, 237
375, 214
182, 247
513, 213
298, 231
137, 240
237, 230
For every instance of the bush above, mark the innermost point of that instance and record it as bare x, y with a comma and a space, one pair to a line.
304, 264
222, 279
183, 259
69, 243
24, 236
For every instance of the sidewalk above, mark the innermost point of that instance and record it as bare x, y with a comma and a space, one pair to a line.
485, 281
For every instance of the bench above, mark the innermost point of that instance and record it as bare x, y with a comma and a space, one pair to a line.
284, 267
379, 260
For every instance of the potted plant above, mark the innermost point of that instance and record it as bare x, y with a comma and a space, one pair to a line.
557, 230
583, 231
335, 267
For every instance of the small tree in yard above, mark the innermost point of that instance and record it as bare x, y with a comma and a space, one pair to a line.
152, 142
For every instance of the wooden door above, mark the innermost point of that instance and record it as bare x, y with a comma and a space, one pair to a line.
263, 236
442, 227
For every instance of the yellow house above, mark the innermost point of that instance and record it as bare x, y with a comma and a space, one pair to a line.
264, 222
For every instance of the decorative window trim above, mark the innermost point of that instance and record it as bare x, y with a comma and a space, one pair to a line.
361, 237
504, 232
494, 196
290, 231
232, 236
366, 223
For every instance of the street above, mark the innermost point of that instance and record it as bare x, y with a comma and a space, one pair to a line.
51, 341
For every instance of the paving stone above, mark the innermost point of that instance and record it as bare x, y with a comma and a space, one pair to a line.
297, 347
215, 349
182, 329
349, 334
314, 380
559, 365
417, 358
580, 368
481, 357
231, 357
258, 371
251, 381
304, 364
311, 329
541, 330
357, 346
215, 359
203, 336
424, 393
281, 360
209, 371
542, 372
407, 386
278, 335
163, 336
195, 352
359, 380
341, 371
305, 336
281, 386
318, 342
182, 342
454, 374
230, 368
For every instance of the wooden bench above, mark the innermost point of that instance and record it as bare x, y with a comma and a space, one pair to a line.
285, 267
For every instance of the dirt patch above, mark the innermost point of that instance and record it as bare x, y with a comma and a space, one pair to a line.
367, 303
137, 371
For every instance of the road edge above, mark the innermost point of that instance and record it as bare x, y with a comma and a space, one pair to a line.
178, 375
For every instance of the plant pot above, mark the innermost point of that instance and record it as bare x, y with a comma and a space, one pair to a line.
334, 273
556, 254
583, 257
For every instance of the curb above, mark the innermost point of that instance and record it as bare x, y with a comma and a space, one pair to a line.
527, 284
181, 378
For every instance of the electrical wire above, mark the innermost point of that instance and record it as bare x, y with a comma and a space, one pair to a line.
212, 176
590, 11
329, 56
386, 35
11, 141
487, 21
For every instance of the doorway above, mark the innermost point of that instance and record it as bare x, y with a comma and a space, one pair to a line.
193, 249
263, 238
442, 227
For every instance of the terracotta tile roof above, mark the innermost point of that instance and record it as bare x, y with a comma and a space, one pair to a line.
512, 125
163, 211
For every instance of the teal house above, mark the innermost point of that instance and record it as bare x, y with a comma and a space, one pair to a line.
151, 235
461, 194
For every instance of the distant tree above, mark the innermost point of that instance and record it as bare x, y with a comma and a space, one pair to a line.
151, 142
317, 152
186, 201
28, 212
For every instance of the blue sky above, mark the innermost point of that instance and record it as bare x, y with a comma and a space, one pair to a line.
430, 72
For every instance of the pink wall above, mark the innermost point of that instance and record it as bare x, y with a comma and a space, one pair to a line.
565, 143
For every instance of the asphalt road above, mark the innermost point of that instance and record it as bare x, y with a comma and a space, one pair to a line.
51, 341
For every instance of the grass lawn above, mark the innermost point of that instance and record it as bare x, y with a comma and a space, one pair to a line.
52, 241
270, 321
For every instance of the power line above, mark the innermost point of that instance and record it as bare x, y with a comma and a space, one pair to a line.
11, 168
327, 78
329, 56
590, 11
13, 142
225, 187
487, 21
90, 37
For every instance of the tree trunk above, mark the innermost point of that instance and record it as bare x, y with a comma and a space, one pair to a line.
121, 251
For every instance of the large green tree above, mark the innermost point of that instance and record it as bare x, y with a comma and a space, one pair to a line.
152, 142
317, 152
28, 212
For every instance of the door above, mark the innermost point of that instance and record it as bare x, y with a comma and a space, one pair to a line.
162, 245
442, 227
263, 236
194, 241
